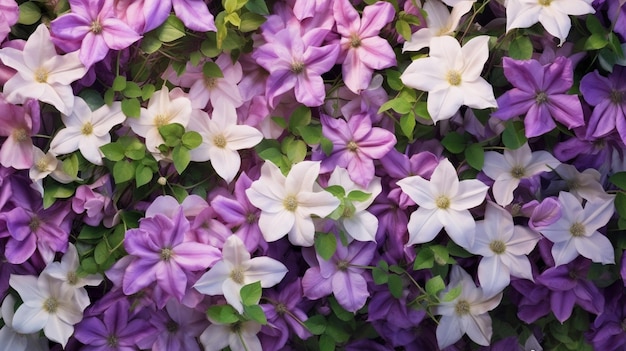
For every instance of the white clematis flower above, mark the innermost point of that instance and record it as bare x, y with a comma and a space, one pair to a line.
237, 269
552, 14
221, 138
12, 340
451, 76
509, 168
239, 336
467, 314
287, 203
48, 306
444, 202
440, 21
504, 247
576, 232
87, 131
41, 73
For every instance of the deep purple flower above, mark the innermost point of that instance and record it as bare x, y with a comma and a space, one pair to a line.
294, 63
608, 332
356, 144
540, 94
608, 95
161, 255
342, 275
93, 26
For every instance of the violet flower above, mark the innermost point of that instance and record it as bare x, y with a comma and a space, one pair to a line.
540, 94
608, 95
18, 124
607, 332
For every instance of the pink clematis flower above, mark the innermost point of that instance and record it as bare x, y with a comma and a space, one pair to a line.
9, 14
18, 123
362, 50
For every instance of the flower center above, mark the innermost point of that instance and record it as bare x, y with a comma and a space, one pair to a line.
166, 254
210, 82
355, 41
251, 218
20, 135
443, 202
41, 75
297, 67
87, 129
454, 78
72, 278
237, 275
516, 209
290, 203
545, 2
280, 308
96, 27
577, 229
497, 246
42, 164
617, 96
161, 120
541, 97
572, 184
343, 265
112, 340
51, 305
348, 211
352, 146
236, 327
462, 308
219, 141
34, 224
171, 326
518, 172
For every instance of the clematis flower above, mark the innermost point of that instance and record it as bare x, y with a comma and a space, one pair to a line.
509, 168
342, 275
362, 50
583, 185
239, 336
237, 269
12, 340
466, 314
540, 94
160, 254
146, 15
504, 248
87, 131
451, 76
41, 73
67, 273
93, 26
9, 14
608, 96
44, 165
48, 306
552, 14
576, 232
440, 21
18, 124
221, 138
356, 144
287, 203
295, 63
444, 202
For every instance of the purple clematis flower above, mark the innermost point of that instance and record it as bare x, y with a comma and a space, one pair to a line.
608, 95
93, 26
607, 332
161, 255
341, 275
18, 124
356, 144
295, 63
540, 94
145, 15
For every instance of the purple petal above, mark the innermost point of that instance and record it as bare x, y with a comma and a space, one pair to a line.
350, 290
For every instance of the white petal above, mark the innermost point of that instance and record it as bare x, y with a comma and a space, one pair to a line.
475, 53
541, 161
423, 226
519, 266
459, 225
265, 269
28, 320
471, 193
214, 337
479, 329
444, 180
493, 275
234, 251
449, 331
362, 226
503, 188
303, 232
564, 252
444, 103
596, 248
275, 225
226, 162
210, 283
495, 165
320, 203
418, 189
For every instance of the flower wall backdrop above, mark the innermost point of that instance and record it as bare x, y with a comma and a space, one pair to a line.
312, 175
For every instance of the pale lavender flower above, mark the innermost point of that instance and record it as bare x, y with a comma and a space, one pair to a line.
177, 327
18, 124
9, 14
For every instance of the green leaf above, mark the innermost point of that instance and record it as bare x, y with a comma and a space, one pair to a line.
233, 18
393, 79
123, 172
172, 131
339, 311
325, 245
251, 293
513, 135
93, 98
434, 285
594, 25
404, 29
454, 142
398, 104
29, 13
396, 285
132, 90
258, 7
425, 259
358, 195
250, 22
101, 253
620, 204
119, 83
255, 312
191, 140
172, 29
421, 110
88, 233
181, 158
310, 134
53, 191
143, 175
521, 48
300, 117
109, 95
70, 166
223, 314
407, 124
131, 108
336, 190
150, 43
619, 179
89, 265
316, 324
380, 276
209, 46
147, 91
596, 41
295, 150
475, 156
327, 343
210, 69
327, 146
452, 294
441, 254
